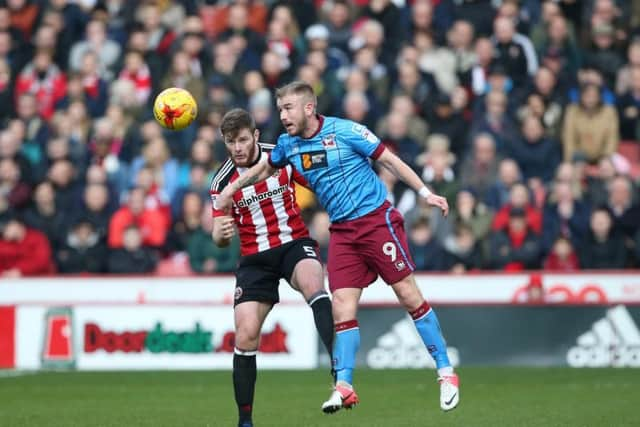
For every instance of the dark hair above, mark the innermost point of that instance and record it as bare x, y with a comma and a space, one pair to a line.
234, 121
298, 88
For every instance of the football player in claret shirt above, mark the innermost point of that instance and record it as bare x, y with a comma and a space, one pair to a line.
274, 244
367, 233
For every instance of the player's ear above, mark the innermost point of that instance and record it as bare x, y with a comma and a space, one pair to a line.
256, 135
309, 107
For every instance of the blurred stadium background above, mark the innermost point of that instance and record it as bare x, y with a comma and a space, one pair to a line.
524, 114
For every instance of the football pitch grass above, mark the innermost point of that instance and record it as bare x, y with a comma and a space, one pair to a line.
490, 397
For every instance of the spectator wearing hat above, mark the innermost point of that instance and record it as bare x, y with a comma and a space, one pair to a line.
317, 37
604, 248
515, 248
590, 128
24, 251
83, 250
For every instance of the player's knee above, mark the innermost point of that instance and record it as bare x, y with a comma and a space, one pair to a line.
310, 286
247, 337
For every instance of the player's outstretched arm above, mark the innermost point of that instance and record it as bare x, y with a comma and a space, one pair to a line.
260, 171
401, 170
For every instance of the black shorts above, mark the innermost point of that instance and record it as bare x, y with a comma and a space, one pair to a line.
259, 275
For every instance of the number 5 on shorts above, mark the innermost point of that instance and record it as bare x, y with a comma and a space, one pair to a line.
310, 251
389, 249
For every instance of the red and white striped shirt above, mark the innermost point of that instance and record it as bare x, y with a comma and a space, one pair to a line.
265, 213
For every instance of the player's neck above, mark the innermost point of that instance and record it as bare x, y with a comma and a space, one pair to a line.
314, 124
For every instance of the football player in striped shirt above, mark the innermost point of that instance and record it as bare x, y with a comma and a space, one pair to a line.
274, 244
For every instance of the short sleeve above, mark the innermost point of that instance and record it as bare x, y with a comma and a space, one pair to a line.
278, 156
298, 178
215, 212
364, 141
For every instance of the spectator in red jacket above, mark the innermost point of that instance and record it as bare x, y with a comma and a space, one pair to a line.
518, 198
43, 79
23, 251
562, 257
515, 248
151, 221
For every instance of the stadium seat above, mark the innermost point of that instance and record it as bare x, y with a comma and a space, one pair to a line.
631, 151
175, 265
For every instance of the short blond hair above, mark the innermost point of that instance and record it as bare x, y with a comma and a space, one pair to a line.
297, 88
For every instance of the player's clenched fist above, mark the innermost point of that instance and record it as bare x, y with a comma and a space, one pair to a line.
223, 230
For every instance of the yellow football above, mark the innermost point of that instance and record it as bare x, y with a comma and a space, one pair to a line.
175, 108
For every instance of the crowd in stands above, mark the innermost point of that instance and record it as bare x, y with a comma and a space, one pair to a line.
524, 114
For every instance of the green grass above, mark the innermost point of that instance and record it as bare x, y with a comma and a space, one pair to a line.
489, 397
